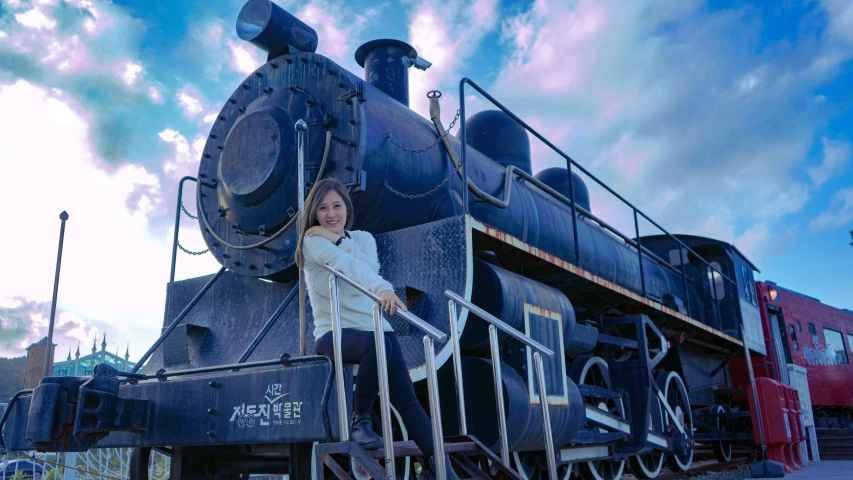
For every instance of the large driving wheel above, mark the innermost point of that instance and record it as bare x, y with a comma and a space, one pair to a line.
531, 466
649, 465
593, 371
722, 449
675, 393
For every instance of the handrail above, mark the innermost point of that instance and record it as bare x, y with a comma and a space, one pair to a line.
432, 334
569, 163
500, 324
498, 377
410, 317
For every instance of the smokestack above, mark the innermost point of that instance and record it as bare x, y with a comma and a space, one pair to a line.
386, 66
273, 30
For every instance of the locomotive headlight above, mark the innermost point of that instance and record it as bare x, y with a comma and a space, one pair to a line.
772, 293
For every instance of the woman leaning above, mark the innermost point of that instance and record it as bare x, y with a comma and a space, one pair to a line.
328, 240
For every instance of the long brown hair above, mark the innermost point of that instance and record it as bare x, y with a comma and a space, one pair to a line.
312, 203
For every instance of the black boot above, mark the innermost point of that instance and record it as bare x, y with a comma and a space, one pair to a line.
362, 431
451, 475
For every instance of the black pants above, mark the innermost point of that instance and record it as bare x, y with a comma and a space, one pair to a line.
358, 346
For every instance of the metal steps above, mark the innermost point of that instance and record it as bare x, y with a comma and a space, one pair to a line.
835, 443
470, 458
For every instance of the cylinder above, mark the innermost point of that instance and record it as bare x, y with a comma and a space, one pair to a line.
499, 137
525, 430
386, 66
272, 29
558, 179
526, 305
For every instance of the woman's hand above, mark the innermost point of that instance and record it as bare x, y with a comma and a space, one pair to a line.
389, 302
319, 231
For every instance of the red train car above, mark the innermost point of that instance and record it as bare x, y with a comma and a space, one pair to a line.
801, 330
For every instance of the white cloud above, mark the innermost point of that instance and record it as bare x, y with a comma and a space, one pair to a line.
35, 19
840, 212
107, 235
243, 60
836, 155
131, 73
189, 99
446, 34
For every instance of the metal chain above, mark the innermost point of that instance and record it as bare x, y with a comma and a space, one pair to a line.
422, 195
422, 150
191, 252
194, 217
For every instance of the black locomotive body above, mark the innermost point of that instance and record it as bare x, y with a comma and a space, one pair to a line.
642, 327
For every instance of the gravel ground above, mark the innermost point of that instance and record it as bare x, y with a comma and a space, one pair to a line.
739, 474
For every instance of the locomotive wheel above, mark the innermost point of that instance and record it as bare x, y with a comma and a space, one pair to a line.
139, 459
675, 393
594, 371
528, 466
649, 465
722, 450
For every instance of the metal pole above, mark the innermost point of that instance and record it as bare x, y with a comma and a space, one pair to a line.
464, 146
178, 224
457, 368
684, 279
49, 355
339, 363
435, 409
499, 397
546, 417
301, 127
752, 385
384, 394
640, 253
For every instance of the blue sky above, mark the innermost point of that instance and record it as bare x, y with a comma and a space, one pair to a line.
728, 119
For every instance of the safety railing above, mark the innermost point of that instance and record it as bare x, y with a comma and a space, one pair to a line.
569, 164
498, 377
432, 335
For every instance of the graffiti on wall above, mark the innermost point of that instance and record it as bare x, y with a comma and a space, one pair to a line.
820, 355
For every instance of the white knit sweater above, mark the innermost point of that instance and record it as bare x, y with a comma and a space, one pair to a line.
356, 257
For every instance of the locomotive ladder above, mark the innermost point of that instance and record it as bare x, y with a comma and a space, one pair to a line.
463, 448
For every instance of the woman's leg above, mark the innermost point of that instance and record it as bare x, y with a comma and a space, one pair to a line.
403, 397
358, 347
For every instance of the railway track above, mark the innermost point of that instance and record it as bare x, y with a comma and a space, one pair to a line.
711, 466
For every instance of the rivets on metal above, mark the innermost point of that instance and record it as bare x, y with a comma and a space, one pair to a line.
206, 155
259, 74
214, 181
213, 136
342, 85
225, 255
220, 147
288, 60
252, 267
235, 226
221, 118
318, 64
211, 433
352, 122
211, 411
304, 60
238, 264
283, 259
233, 100
215, 244
242, 109
330, 71
267, 266
246, 86
274, 65
212, 384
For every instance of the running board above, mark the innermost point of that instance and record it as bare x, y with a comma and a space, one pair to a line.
604, 419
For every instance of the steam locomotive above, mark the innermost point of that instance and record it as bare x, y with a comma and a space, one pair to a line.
643, 327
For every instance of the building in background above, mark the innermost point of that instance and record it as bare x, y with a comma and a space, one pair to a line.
35, 363
80, 366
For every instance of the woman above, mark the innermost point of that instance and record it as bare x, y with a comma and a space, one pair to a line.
328, 215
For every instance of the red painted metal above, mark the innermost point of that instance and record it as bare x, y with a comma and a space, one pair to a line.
829, 383
773, 399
